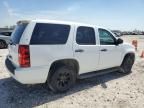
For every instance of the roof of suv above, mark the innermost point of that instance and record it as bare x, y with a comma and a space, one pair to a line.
56, 21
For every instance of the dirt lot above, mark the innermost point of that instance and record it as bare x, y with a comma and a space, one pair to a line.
112, 90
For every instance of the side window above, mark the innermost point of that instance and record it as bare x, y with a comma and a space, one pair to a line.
106, 37
85, 36
46, 34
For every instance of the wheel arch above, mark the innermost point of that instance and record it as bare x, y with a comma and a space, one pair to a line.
128, 54
68, 62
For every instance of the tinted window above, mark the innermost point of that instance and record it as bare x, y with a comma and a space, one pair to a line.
50, 34
85, 36
106, 38
16, 35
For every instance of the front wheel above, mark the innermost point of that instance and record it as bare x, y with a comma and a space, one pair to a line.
63, 79
127, 64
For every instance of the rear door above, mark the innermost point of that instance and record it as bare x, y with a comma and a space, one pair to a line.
14, 42
110, 53
86, 50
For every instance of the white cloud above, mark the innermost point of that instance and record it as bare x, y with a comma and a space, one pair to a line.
11, 11
13, 14
73, 8
8, 15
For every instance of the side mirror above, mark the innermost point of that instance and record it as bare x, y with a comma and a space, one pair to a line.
119, 41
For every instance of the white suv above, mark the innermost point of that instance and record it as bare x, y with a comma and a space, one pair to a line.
58, 52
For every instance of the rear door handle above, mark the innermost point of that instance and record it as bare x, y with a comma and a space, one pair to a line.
79, 50
104, 50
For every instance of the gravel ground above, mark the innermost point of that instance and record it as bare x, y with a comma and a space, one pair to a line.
112, 90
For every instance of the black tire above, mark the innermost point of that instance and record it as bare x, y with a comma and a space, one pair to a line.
62, 79
2, 44
127, 64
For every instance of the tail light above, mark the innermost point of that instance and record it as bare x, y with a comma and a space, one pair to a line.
24, 56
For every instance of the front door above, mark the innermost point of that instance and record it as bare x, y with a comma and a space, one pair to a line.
110, 53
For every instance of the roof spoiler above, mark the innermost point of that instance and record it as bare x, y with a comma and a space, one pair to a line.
23, 22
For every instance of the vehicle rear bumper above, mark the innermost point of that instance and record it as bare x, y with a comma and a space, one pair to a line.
33, 75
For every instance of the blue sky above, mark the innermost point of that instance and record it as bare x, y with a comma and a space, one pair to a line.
113, 14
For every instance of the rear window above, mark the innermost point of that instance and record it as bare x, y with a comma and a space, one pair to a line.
50, 34
16, 35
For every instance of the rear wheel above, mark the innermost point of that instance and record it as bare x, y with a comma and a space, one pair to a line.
62, 79
127, 64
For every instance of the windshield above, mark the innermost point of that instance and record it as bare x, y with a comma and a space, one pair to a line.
16, 35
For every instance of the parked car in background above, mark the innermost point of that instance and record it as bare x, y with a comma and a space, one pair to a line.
117, 33
127, 33
4, 39
58, 53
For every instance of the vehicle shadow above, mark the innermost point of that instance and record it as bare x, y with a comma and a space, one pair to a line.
15, 94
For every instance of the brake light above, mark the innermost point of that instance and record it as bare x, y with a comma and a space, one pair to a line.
24, 56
